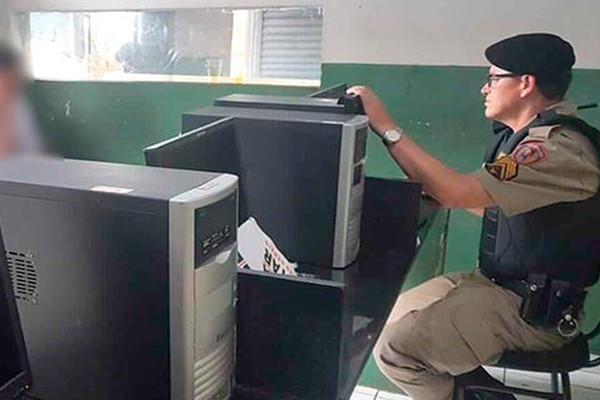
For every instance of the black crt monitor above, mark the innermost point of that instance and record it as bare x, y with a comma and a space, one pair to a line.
345, 104
350, 104
210, 148
330, 100
187, 152
333, 92
15, 377
289, 103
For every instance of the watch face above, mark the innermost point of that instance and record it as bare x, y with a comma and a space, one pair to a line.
392, 136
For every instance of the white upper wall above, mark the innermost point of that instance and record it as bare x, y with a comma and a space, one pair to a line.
413, 32
452, 32
4, 19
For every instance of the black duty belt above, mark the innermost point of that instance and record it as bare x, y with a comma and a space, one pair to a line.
546, 303
518, 286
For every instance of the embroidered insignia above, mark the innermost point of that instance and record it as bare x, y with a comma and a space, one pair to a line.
502, 154
503, 169
530, 152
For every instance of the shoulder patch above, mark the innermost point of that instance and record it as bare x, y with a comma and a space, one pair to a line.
530, 152
503, 169
542, 132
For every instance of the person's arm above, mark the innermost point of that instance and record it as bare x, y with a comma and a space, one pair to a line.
447, 186
478, 212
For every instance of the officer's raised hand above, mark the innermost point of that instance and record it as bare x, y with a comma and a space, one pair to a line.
449, 187
379, 117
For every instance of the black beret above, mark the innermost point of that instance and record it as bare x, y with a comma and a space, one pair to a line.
540, 54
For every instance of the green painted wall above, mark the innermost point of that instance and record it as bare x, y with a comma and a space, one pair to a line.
441, 107
115, 121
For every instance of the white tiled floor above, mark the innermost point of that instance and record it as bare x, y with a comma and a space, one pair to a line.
585, 384
364, 393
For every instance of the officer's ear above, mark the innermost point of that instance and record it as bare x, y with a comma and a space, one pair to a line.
528, 85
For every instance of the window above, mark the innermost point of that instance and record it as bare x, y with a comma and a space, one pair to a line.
281, 46
289, 45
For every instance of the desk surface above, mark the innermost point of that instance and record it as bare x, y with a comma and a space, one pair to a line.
369, 288
343, 311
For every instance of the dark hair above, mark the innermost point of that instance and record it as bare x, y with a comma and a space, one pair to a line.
9, 57
554, 88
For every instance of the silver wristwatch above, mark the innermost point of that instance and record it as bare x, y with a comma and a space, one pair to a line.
392, 136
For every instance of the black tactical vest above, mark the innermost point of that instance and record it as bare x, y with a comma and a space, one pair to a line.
560, 240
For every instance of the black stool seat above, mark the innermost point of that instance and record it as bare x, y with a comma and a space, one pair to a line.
558, 363
575, 355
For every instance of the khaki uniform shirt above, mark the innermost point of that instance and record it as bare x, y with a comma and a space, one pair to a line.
553, 164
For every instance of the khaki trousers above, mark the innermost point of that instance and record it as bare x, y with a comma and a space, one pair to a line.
451, 325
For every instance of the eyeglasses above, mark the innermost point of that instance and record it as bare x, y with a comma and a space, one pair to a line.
491, 78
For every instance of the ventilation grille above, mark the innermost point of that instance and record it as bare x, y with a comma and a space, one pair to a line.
224, 393
23, 275
212, 374
353, 235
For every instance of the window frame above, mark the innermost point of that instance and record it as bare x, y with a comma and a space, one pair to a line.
151, 5
17, 7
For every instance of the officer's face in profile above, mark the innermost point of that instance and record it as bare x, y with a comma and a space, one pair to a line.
501, 93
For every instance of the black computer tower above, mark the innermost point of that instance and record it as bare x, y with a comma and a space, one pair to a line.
15, 377
301, 173
124, 277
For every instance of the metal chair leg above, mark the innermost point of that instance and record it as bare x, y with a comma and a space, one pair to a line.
554, 383
566, 385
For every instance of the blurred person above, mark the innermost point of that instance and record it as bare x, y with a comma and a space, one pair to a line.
19, 132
